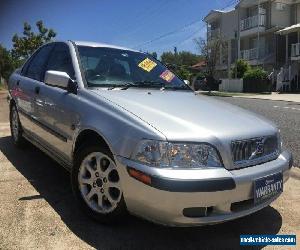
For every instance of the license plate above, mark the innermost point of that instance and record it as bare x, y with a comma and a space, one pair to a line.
267, 187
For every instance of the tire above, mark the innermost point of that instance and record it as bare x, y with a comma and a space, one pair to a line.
16, 127
97, 187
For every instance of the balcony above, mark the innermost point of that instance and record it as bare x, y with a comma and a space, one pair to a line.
253, 24
295, 51
249, 54
213, 33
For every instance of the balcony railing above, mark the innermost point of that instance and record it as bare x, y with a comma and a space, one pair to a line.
295, 50
249, 54
253, 21
213, 33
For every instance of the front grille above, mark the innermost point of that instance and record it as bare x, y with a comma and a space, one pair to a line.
254, 151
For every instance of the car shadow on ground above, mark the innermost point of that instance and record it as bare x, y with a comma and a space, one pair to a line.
52, 182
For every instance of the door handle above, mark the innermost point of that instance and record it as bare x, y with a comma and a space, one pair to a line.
37, 90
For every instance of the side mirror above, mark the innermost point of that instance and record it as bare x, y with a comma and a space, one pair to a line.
60, 79
187, 82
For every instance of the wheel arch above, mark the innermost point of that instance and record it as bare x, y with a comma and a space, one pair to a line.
90, 135
11, 103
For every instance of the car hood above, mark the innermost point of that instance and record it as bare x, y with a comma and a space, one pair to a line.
185, 116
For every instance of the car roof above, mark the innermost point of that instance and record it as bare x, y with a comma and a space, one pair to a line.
101, 45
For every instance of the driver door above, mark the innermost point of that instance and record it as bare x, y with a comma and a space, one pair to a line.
59, 112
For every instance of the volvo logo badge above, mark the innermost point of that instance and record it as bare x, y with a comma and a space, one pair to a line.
259, 148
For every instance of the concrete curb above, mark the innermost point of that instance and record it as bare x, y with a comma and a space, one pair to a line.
266, 99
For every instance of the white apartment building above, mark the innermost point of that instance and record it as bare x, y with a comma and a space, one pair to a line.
265, 33
224, 24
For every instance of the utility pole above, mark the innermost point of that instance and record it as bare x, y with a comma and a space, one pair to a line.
229, 59
238, 41
258, 28
175, 50
238, 34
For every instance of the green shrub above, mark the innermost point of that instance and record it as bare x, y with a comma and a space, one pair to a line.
200, 75
183, 73
255, 74
240, 68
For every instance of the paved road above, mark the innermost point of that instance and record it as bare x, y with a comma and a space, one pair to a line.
37, 210
285, 114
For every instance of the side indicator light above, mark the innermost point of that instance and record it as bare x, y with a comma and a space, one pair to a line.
140, 176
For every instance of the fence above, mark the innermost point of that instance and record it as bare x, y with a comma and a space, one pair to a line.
253, 21
256, 86
246, 85
231, 85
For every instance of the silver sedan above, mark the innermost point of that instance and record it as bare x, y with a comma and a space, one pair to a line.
136, 138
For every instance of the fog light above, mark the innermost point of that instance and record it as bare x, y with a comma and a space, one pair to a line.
195, 212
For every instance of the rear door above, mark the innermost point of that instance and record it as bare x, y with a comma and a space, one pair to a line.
26, 91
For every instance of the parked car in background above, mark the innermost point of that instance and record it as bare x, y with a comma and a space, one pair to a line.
200, 83
136, 138
205, 83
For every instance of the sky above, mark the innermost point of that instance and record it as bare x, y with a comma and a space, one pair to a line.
152, 25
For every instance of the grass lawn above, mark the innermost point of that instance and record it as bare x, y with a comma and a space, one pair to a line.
230, 94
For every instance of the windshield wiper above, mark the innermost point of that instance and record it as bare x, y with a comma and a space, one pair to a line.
128, 85
122, 86
162, 85
181, 87
148, 84
95, 85
143, 84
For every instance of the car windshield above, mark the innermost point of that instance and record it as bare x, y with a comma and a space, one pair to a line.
109, 67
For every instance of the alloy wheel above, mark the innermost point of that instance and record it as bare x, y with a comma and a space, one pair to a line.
99, 183
15, 123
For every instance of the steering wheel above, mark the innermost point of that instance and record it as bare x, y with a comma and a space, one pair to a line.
93, 75
98, 77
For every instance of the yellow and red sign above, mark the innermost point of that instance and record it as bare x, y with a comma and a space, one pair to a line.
167, 75
147, 65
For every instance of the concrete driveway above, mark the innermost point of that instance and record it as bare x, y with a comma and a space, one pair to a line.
37, 210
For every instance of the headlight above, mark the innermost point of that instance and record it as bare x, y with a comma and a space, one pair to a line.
152, 153
176, 155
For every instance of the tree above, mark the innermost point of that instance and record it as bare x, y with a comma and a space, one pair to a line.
24, 46
6, 63
169, 58
182, 58
154, 54
181, 62
210, 50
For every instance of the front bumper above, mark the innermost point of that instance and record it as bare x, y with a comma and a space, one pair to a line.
227, 193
